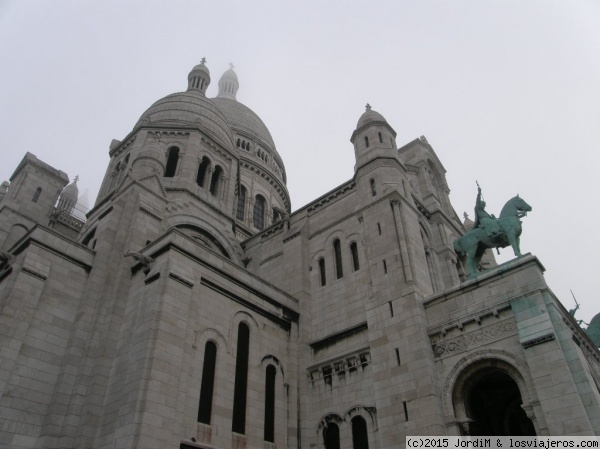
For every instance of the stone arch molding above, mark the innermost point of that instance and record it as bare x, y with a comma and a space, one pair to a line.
459, 375
186, 219
243, 317
270, 359
206, 335
328, 418
368, 413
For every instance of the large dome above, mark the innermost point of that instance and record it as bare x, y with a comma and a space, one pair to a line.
247, 125
190, 108
244, 119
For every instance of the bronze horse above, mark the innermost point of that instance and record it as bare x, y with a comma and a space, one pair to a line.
475, 241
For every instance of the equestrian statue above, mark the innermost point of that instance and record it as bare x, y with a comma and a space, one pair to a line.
491, 232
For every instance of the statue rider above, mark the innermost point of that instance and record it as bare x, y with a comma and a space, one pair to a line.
485, 221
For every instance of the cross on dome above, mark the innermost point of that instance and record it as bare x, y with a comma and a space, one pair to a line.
203, 61
231, 65
368, 107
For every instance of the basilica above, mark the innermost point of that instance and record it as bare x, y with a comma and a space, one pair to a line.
191, 308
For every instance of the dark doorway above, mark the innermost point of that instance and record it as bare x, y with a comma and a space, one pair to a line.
493, 405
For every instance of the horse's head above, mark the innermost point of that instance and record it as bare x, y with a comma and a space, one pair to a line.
515, 206
521, 204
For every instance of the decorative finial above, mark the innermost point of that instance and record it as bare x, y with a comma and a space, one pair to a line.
76, 179
368, 106
231, 65
203, 61
465, 215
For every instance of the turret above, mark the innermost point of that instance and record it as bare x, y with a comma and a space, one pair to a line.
372, 138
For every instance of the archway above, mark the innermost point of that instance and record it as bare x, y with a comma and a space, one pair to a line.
492, 404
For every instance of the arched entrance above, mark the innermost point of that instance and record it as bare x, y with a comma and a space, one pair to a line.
489, 400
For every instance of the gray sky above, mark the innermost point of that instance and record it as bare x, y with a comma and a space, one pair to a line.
506, 92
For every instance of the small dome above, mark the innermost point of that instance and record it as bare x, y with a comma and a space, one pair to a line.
71, 192
369, 116
68, 197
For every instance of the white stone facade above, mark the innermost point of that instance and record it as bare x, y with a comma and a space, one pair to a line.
192, 309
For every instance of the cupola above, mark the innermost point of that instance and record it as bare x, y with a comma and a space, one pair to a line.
228, 84
199, 77
68, 197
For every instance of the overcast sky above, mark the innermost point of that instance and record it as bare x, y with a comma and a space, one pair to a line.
506, 92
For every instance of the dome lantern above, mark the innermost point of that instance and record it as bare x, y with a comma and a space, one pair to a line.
199, 77
228, 84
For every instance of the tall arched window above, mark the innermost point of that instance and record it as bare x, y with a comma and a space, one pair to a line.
337, 250
36, 195
322, 271
241, 204
172, 159
331, 436
202, 170
208, 383
360, 438
259, 212
354, 251
241, 380
373, 188
366, 141
214, 181
270, 404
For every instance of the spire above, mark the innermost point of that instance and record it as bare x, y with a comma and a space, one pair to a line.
199, 77
228, 84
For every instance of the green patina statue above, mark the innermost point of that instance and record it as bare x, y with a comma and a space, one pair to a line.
491, 232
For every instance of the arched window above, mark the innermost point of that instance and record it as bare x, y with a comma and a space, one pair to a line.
360, 438
241, 380
366, 141
270, 404
172, 159
259, 212
322, 271
380, 138
354, 251
202, 170
331, 436
337, 250
214, 181
208, 383
241, 204
373, 188
36, 195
